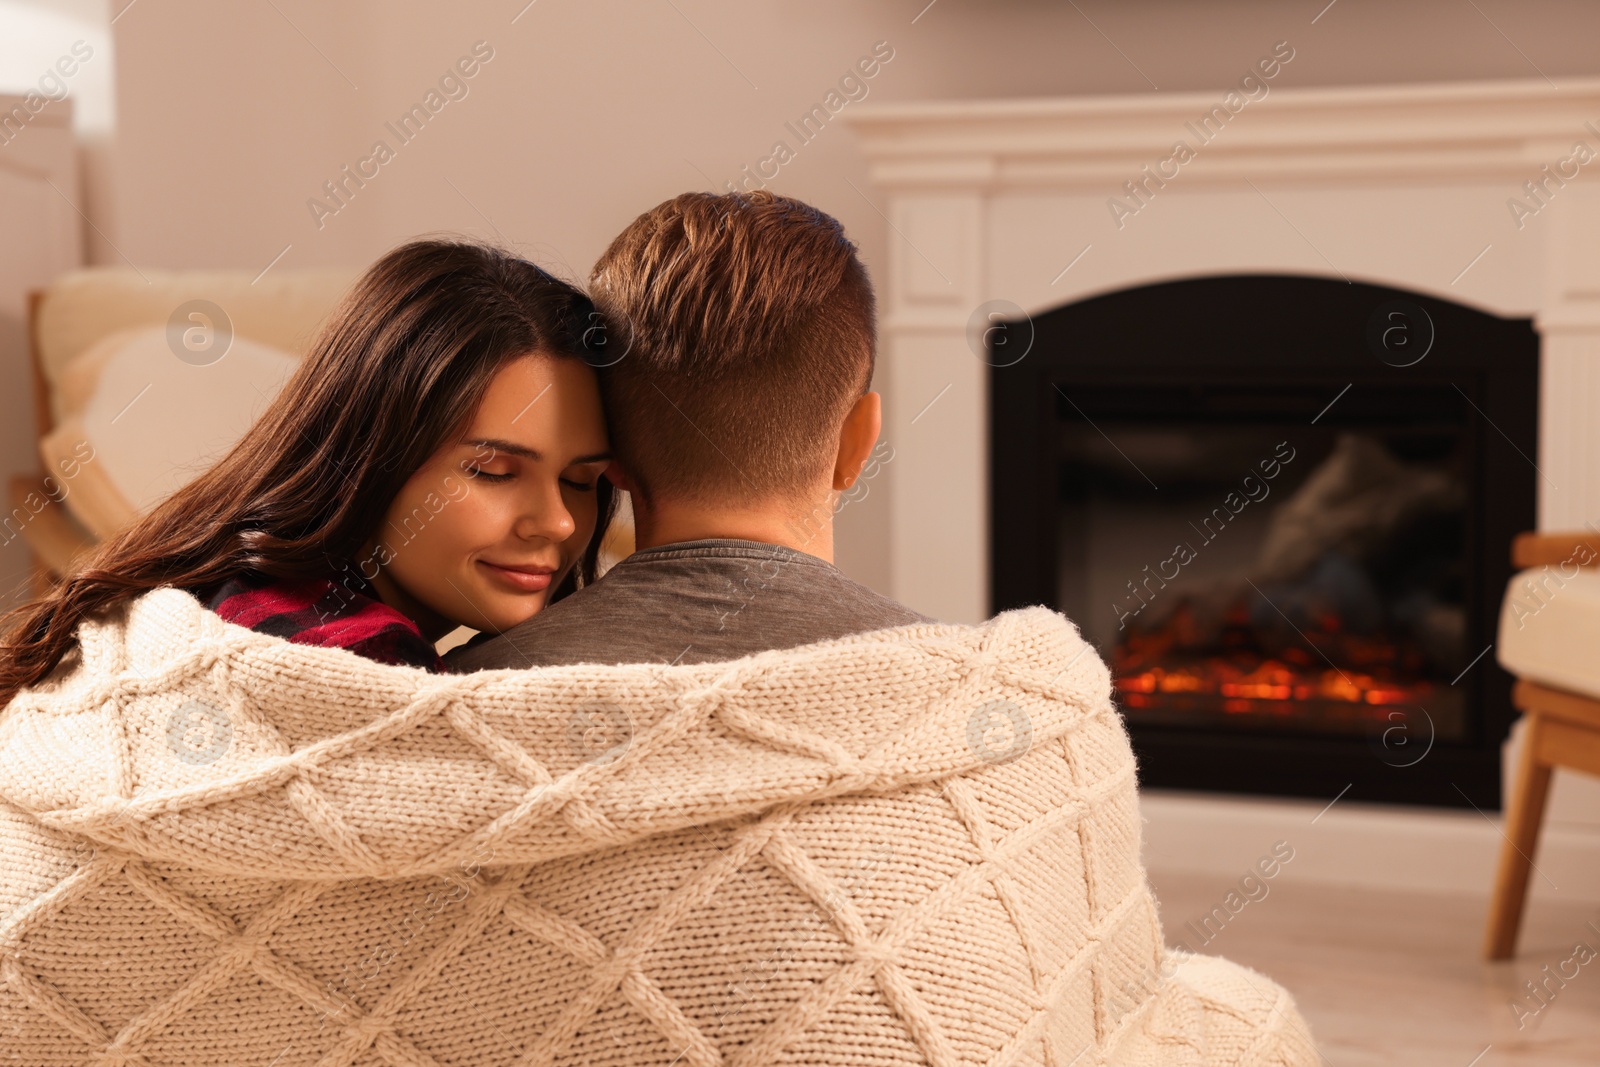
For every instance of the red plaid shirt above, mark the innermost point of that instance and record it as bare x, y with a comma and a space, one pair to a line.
320, 611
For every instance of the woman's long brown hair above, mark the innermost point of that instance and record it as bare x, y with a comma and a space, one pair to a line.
394, 375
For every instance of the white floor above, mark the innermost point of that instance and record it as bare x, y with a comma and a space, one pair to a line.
1394, 977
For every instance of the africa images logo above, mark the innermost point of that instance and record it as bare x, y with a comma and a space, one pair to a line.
199, 732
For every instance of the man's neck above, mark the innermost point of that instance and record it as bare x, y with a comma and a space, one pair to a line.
670, 524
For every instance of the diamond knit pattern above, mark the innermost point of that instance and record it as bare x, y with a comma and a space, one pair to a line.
918, 846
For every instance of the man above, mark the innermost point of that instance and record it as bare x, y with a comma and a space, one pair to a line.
740, 411
912, 847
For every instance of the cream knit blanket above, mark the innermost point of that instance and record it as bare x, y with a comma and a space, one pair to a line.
915, 846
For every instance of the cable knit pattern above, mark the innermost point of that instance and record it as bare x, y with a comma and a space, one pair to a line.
915, 846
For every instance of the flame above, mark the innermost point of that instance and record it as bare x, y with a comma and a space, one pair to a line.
1272, 679
1178, 667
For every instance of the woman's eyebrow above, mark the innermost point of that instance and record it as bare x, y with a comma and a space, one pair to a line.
509, 447
514, 449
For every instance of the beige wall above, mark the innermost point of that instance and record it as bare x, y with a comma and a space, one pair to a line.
230, 119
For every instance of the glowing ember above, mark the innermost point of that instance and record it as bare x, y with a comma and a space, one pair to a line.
1178, 667
1269, 680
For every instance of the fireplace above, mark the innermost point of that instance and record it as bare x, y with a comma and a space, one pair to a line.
1281, 509
1398, 186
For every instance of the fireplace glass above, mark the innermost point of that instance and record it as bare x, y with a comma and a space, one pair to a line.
1281, 576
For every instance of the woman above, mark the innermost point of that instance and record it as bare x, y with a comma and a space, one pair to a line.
434, 462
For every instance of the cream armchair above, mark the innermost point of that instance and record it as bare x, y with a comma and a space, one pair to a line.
208, 347
1550, 640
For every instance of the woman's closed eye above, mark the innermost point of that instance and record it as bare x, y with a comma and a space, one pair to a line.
584, 476
581, 484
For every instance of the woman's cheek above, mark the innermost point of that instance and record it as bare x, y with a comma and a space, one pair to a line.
470, 523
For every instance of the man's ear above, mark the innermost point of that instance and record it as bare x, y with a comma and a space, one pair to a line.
620, 478
857, 438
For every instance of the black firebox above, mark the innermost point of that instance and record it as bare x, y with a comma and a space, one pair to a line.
1281, 509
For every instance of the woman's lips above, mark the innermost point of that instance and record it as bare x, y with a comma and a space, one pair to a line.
531, 579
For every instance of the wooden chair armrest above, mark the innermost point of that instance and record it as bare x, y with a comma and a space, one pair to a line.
1540, 549
1538, 699
43, 421
55, 538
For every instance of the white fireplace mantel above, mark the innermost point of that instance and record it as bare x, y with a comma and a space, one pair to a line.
1403, 186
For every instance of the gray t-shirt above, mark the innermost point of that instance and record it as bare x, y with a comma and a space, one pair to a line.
693, 602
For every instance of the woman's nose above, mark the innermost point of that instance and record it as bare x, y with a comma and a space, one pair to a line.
546, 517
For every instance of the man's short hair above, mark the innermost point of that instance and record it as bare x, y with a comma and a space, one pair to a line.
749, 328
